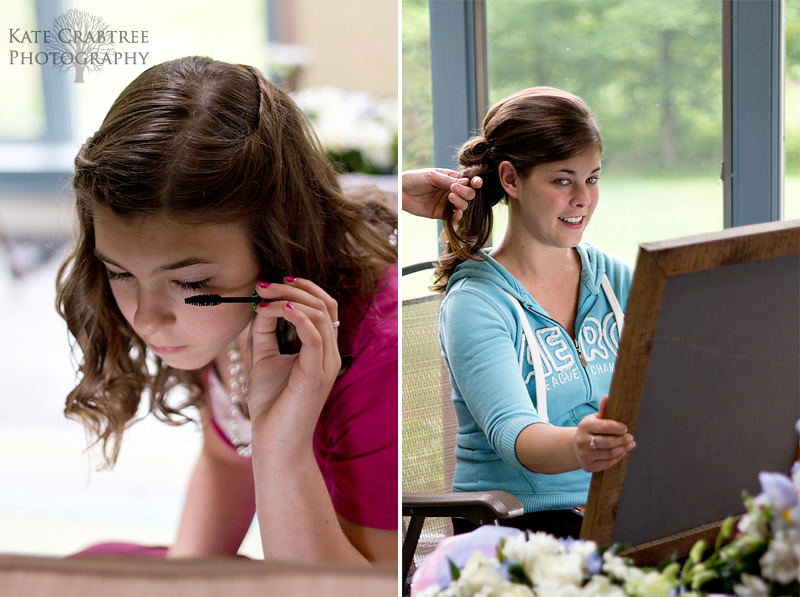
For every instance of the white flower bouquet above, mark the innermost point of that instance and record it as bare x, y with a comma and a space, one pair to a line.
358, 130
757, 557
534, 564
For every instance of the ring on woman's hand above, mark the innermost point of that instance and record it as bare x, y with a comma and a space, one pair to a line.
336, 324
593, 445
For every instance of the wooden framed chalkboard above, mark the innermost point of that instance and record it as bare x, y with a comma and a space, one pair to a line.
708, 380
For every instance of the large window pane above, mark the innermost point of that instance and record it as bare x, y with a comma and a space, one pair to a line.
651, 71
419, 236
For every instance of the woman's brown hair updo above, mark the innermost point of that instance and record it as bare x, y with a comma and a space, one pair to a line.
534, 126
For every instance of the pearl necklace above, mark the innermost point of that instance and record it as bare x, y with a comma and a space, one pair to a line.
237, 390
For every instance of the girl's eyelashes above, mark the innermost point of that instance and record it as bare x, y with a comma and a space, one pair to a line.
183, 285
111, 275
199, 285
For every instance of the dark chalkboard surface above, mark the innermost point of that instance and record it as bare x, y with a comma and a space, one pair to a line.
708, 379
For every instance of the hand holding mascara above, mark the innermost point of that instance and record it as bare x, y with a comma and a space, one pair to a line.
287, 337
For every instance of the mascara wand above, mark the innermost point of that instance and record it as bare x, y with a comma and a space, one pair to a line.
288, 343
212, 300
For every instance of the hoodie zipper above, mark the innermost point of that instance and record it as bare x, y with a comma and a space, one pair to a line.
578, 348
580, 354
577, 327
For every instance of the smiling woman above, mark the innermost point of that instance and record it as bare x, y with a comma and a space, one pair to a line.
540, 311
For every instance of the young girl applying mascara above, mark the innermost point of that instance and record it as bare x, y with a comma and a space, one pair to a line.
205, 178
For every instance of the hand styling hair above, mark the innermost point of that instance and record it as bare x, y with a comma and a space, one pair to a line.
531, 127
201, 141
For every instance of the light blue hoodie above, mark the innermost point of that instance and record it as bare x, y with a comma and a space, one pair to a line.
494, 386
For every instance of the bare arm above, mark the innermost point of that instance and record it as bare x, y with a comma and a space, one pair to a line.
220, 501
298, 522
286, 395
548, 449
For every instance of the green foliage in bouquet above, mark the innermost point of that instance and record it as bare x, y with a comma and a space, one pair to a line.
759, 556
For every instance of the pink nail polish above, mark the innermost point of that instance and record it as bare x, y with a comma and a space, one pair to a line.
290, 279
263, 304
289, 305
263, 284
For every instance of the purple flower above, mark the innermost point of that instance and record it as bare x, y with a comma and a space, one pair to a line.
778, 489
594, 563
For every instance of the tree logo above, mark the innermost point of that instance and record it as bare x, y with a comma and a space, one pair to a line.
82, 36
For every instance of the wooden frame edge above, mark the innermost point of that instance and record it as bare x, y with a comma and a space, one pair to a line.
643, 308
679, 544
743, 244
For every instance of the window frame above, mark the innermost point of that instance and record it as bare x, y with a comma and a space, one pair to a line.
753, 63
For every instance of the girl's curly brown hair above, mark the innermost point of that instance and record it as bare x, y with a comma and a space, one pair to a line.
205, 141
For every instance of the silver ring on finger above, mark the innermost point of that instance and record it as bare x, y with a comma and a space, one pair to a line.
336, 324
592, 443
